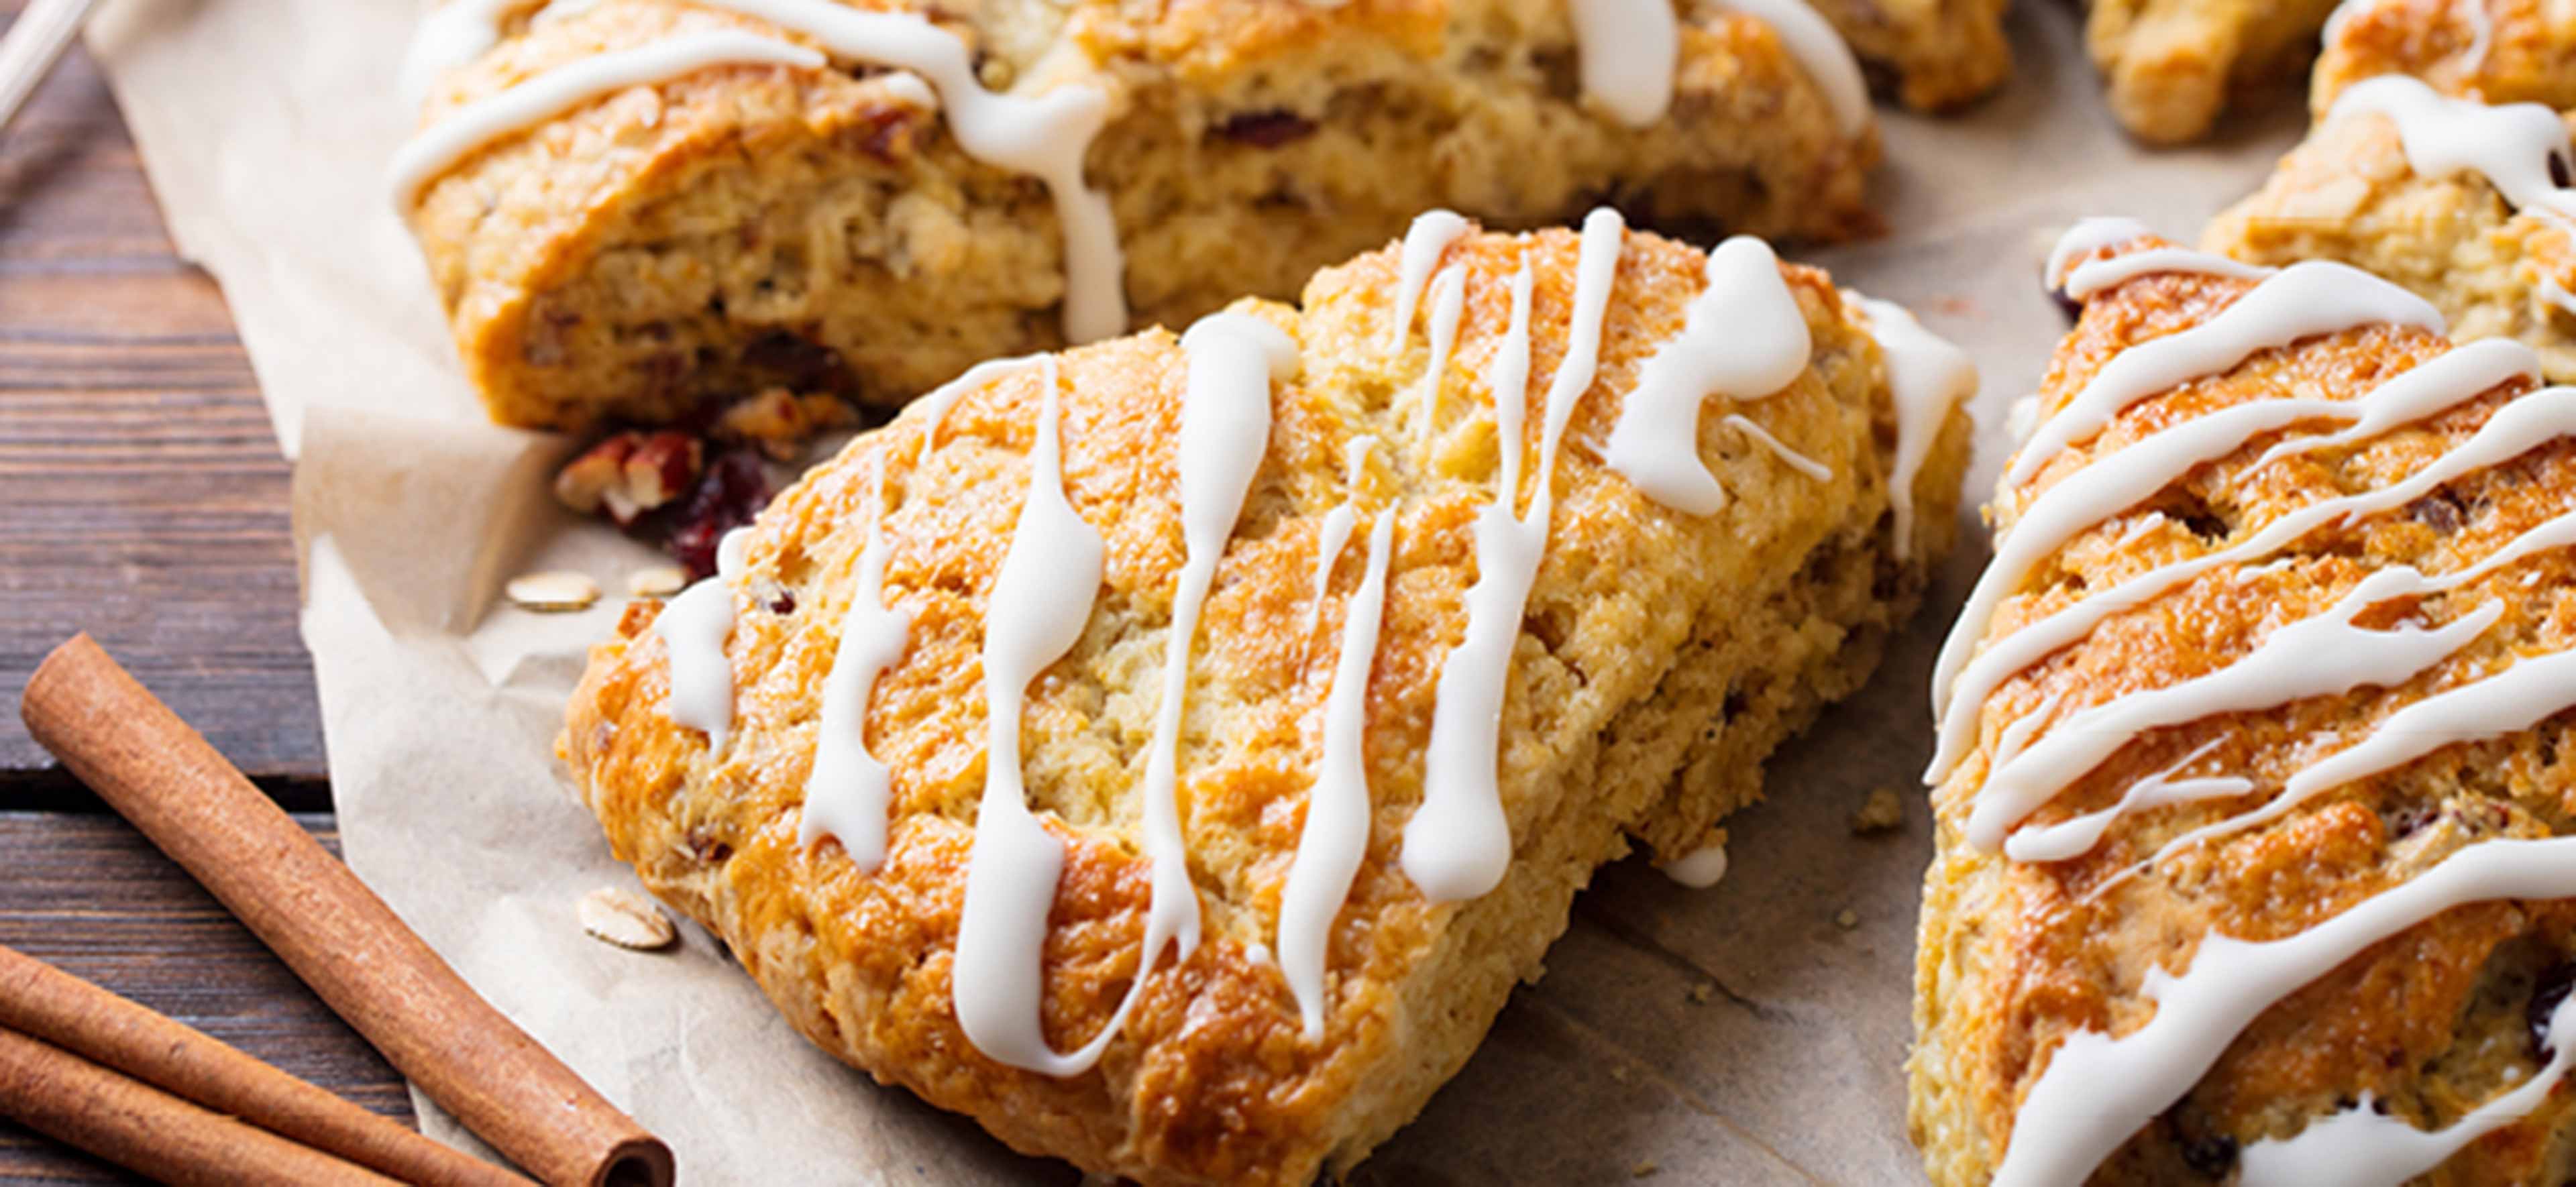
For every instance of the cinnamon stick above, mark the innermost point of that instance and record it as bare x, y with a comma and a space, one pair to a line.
325, 924
44, 1002
142, 1128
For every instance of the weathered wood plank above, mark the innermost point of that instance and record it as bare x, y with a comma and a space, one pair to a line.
141, 496
92, 897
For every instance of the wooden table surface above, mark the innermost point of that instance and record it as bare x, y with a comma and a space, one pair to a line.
142, 499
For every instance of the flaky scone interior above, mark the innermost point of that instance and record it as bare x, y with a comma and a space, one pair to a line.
2253, 794
1311, 660
635, 208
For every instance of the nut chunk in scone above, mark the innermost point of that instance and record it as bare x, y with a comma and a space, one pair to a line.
1172, 751
638, 209
2453, 185
2254, 862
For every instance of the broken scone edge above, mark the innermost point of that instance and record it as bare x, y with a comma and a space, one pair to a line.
1661, 657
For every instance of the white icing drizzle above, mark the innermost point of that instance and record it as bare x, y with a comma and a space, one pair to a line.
1628, 51
2306, 299
1040, 601
2481, 34
2077, 836
2102, 489
2093, 276
1424, 243
2510, 145
1335, 836
464, 131
694, 627
1742, 337
1820, 51
1448, 302
449, 36
2440, 384
1792, 458
2319, 656
849, 791
1458, 844
1045, 136
2550, 290
1225, 433
2087, 236
2097, 1090
2361, 1147
1926, 377
1699, 869
1338, 522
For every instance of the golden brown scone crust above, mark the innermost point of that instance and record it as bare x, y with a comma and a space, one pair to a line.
2346, 193
1662, 657
2172, 65
752, 226
2530, 51
1934, 54
2012, 958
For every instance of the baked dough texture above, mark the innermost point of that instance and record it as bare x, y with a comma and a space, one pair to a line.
2347, 193
1934, 54
2017, 956
2171, 66
1661, 658
746, 227
2504, 51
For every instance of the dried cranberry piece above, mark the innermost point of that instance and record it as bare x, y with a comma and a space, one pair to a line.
1267, 129
2067, 305
731, 492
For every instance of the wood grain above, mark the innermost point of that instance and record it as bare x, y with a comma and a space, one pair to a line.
92, 897
142, 497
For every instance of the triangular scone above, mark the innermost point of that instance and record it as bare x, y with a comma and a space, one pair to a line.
2503, 51
863, 199
2455, 185
2253, 800
1659, 656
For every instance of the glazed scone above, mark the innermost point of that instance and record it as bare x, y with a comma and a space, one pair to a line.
1354, 944
1933, 54
2253, 799
772, 205
2503, 51
2170, 66
2486, 238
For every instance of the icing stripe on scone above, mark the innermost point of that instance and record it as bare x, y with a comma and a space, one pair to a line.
463, 132
694, 627
1335, 534
1448, 303
2071, 270
2512, 145
1742, 337
2301, 301
2363, 1147
848, 790
1458, 843
2099, 491
1788, 457
1424, 243
1232, 359
1628, 52
2097, 1090
1040, 601
1336, 832
1043, 136
449, 35
2323, 655
2076, 836
1926, 377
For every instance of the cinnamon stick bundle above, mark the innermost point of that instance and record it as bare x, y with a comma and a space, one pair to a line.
46, 1003
142, 1128
165, 779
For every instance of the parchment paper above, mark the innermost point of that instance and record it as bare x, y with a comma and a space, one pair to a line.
1753, 1033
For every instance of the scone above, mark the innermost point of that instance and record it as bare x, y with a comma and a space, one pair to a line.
1934, 54
2463, 202
638, 210
2502, 51
2170, 66
2254, 790
1225, 646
